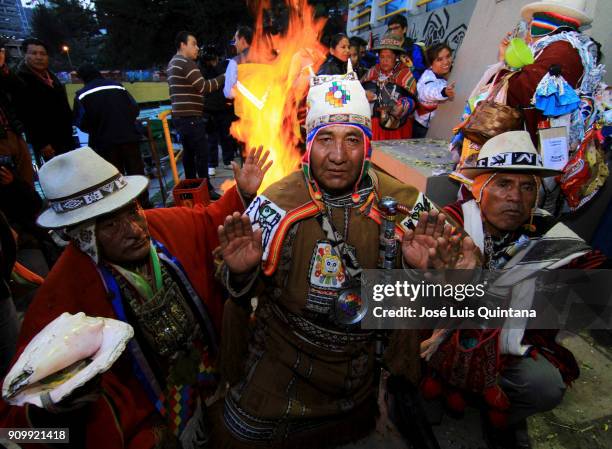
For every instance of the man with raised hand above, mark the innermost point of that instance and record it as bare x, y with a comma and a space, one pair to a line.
152, 269
310, 375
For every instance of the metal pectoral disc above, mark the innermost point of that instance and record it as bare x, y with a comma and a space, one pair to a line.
350, 307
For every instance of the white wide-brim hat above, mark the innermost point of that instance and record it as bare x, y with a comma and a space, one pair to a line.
512, 151
81, 185
575, 9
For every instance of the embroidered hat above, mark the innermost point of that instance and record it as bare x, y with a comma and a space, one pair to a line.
81, 185
390, 41
512, 151
574, 9
337, 100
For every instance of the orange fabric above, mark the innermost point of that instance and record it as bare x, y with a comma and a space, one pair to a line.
26, 274
74, 285
479, 183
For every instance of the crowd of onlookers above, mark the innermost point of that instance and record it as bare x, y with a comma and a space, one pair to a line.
405, 82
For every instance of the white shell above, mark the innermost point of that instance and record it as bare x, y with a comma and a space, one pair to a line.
64, 341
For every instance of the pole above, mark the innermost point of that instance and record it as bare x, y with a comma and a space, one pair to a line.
155, 154
406, 409
69, 60
163, 116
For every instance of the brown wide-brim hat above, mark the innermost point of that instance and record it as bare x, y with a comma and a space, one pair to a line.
390, 41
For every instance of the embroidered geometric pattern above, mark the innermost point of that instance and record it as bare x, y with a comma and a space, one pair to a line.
326, 267
510, 159
111, 186
320, 300
423, 204
337, 96
322, 79
266, 215
340, 118
178, 404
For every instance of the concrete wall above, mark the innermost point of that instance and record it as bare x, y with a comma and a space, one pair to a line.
447, 24
488, 25
602, 31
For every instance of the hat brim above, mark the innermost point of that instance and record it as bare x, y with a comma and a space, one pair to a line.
400, 49
526, 169
135, 186
528, 10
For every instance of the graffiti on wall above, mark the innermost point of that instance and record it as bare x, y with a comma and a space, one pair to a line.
438, 29
447, 24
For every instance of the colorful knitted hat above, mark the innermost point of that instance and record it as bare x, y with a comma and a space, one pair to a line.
337, 100
573, 9
544, 23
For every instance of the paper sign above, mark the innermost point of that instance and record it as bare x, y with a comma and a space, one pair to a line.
554, 147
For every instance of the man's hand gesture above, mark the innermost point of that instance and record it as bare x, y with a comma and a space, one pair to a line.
431, 245
456, 252
249, 177
419, 245
241, 247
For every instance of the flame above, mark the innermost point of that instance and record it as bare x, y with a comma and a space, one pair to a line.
227, 184
272, 87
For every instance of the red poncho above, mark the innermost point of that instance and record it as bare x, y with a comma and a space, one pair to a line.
124, 417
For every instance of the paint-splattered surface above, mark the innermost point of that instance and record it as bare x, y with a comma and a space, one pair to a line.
429, 156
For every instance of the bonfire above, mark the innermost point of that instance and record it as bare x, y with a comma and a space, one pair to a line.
272, 87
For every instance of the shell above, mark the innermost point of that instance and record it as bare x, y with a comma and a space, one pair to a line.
67, 353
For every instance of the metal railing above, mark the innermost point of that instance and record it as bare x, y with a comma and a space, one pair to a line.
386, 16
363, 13
363, 25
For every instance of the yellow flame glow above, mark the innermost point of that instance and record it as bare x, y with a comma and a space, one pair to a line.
272, 87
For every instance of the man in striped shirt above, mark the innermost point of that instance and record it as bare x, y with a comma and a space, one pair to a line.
187, 89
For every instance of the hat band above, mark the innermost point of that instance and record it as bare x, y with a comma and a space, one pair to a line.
323, 79
90, 196
345, 119
510, 160
544, 23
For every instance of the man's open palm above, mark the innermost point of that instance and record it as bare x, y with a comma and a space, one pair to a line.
419, 245
252, 173
241, 247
